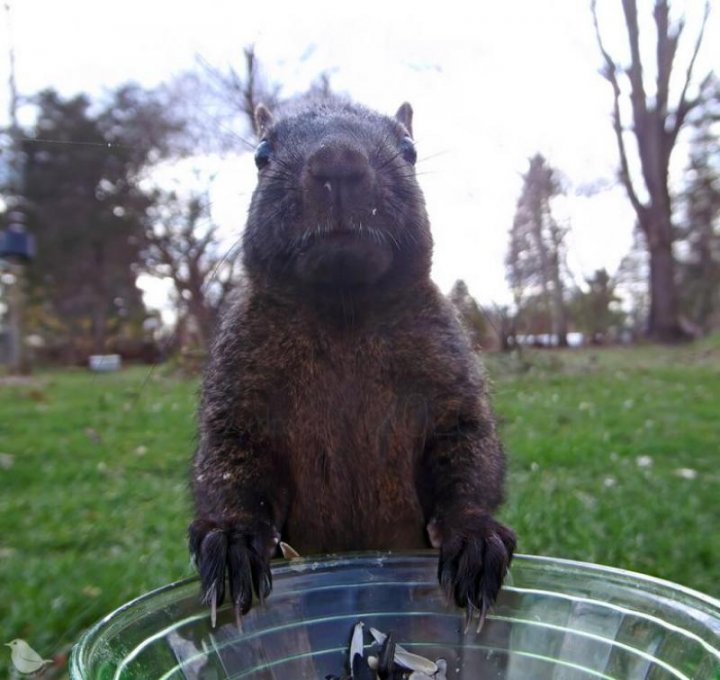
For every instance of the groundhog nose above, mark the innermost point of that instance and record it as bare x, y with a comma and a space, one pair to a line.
333, 161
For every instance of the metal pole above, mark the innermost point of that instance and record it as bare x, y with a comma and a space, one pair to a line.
14, 207
14, 319
14, 127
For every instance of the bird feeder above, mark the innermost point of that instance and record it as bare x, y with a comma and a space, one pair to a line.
17, 245
15, 242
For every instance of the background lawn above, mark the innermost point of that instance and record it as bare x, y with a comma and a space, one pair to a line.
614, 458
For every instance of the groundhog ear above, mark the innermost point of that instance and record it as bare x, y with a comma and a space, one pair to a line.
404, 115
263, 119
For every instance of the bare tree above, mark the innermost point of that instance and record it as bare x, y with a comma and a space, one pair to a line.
656, 124
242, 92
234, 94
182, 244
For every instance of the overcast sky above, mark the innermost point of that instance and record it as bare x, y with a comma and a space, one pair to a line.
491, 83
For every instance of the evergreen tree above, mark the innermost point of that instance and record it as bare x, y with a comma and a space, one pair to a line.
470, 313
699, 270
536, 254
631, 282
87, 212
596, 311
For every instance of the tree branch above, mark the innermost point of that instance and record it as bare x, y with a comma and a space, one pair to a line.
249, 90
202, 244
635, 72
684, 106
665, 51
610, 74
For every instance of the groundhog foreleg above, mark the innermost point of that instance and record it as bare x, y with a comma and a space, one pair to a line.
240, 499
461, 482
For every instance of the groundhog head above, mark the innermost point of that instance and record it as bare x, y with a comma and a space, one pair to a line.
337, 204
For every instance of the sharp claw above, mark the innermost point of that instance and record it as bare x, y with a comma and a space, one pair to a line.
238, 618
267, 583
483, 614
264, 584
469, 613
213, 607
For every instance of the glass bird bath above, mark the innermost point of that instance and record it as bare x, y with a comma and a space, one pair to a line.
555, 619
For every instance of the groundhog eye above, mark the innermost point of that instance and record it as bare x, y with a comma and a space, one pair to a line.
262, 154
407, 149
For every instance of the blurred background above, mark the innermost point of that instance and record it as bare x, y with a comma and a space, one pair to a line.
570, 157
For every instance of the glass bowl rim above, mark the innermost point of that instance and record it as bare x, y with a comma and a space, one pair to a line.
78, 664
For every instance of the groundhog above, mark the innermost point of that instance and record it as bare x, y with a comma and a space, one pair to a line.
343, 407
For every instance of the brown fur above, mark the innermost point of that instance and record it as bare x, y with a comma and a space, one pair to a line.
343, 406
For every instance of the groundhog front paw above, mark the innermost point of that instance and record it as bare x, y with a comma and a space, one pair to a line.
475, 553
242, 550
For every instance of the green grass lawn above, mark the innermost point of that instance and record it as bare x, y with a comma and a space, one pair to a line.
614, 458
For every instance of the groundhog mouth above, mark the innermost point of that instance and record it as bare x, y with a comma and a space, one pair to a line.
344, 235
338, 235
344, 257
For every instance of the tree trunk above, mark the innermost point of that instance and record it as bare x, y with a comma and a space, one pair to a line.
656, 127
507, 333
99, 326
663, 322
559, 314
99, 305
